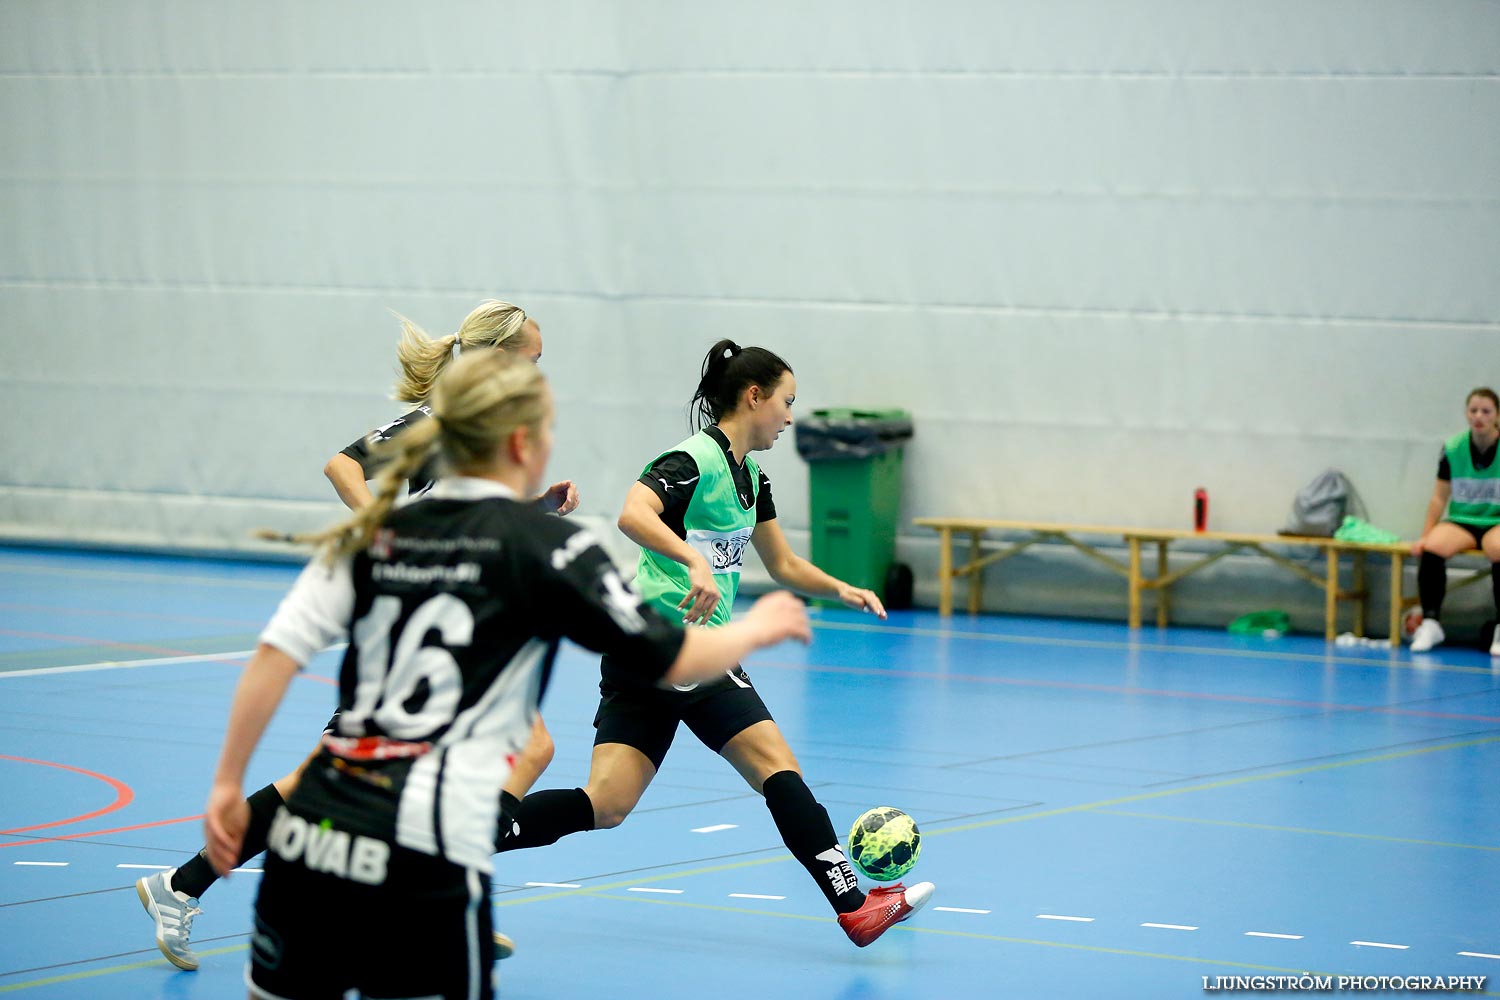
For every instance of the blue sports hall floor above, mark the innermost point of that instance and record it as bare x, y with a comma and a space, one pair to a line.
1105, 814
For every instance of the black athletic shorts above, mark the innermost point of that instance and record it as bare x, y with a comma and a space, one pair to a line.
646, 718
395, 923
1476, 530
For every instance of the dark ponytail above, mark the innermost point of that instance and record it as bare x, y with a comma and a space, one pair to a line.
729, 370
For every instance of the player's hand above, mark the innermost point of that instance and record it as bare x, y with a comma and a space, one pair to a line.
698, 606
864, 600
561, 498
1417, 547
779, 616
225, 821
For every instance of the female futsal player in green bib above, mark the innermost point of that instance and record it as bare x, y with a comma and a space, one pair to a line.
693, 510
1464, 513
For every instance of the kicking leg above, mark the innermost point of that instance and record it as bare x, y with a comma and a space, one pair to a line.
171, 897
762, 757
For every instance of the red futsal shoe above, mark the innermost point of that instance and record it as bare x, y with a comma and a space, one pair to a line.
884, 908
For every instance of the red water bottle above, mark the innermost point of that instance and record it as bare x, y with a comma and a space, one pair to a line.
1200, 509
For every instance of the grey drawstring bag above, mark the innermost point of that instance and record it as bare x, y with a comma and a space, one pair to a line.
1319, 507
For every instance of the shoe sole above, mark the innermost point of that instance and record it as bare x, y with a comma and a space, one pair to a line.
150, 908
919, 906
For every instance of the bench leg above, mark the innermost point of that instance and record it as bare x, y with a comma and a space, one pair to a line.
1331, 595
976, 579
1396, 597
1361, 593
1135, 583
1163, 595
945, 572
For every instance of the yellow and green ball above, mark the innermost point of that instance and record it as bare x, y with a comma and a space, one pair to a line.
884, 843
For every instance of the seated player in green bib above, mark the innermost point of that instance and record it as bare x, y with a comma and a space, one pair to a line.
1464, 513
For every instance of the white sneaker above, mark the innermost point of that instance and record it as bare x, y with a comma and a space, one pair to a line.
173, 912
1427, 635
1495, 646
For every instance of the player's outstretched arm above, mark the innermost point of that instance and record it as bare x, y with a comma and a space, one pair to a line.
791, 570
708, 652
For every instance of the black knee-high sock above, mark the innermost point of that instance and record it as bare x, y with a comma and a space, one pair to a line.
543, 818
197, 874
1432, 583
808, 834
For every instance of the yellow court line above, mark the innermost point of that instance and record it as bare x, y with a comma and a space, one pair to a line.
71, 977
1065, 810
1153, 647
1003, 939
1211, 785
1296, 829
1024, 817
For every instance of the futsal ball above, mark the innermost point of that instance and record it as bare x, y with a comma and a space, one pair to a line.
884, 843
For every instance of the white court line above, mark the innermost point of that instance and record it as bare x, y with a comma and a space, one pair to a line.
248, 871
666, 892
553, 885
16, 569
958, 909
752, 895
43, 864
155, 661
150, 868
1054, 916
1266, 934
126, 664
1477, 954
716, 829
1378, 944
1171, 927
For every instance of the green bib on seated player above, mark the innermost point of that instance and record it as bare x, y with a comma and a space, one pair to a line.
717, 526
1476, 492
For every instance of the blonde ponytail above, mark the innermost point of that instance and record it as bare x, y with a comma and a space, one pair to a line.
476, 404
492, 323
402, 456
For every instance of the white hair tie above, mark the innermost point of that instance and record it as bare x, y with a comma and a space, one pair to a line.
456, 349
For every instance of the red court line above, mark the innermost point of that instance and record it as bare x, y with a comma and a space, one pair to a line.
100, 833
123, 795
1117, 689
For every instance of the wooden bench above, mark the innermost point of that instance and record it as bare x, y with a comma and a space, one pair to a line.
1226, 542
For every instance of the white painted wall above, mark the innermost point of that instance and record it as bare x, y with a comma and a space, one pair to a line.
1104, 252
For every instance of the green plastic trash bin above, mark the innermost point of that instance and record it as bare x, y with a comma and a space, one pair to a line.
854, 474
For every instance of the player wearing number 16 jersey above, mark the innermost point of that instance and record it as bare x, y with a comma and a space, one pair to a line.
171, 898
453, 607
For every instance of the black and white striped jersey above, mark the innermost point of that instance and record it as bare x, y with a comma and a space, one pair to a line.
362, 450
453, 614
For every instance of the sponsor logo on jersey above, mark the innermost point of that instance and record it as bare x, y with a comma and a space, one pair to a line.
399, 572
380, 545
724, 550
321, 848
1476, 490
728, 552
577, 544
